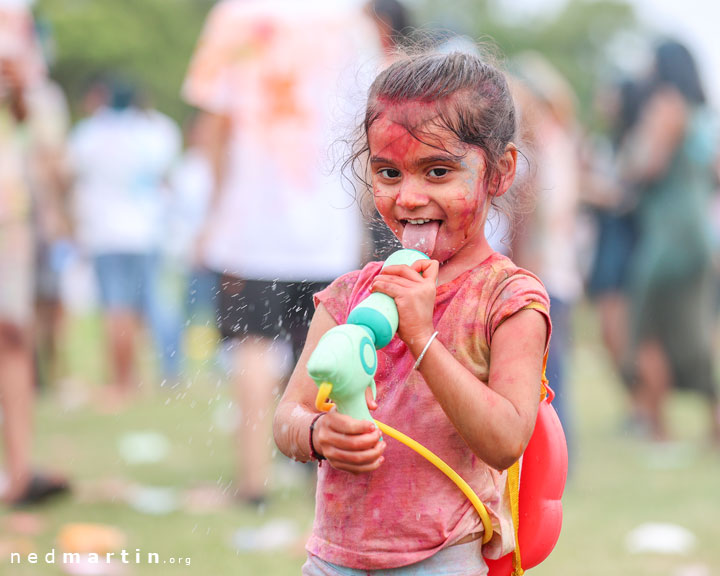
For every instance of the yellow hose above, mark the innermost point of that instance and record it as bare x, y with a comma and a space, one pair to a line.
445, 469
322, 405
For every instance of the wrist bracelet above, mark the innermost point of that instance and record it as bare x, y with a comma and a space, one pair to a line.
422, 354
313, 453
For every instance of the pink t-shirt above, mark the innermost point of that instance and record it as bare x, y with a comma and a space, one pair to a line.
407, 510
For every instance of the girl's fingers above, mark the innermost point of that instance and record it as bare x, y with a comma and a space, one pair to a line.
392, 289
347, 425
349, 442
384, 282
402, 271
371, 402
428, 269
400, 278
418, 270
354, 453
356, 461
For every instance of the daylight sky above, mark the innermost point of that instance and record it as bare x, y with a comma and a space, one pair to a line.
694, 22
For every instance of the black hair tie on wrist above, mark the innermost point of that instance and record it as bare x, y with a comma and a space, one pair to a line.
313, 453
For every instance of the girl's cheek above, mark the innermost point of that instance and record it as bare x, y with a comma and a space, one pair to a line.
381, 200
382, 195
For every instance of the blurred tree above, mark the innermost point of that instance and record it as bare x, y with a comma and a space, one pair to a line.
575, 36
147, 41
151, 41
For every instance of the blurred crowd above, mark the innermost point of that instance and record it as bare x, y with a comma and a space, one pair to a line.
228, 224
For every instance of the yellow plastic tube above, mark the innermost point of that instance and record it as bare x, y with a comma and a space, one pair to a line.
441, 465
322, 404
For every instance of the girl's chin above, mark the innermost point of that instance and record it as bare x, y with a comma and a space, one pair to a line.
444, 254
441, 254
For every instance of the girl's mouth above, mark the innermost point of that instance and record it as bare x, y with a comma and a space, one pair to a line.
420, 234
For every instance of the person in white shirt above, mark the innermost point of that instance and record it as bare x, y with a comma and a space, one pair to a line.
121, 156
283, 79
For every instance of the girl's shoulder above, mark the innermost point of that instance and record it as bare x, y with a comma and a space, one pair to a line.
508, 289
502, 287
498, 272
482, 298
495, 281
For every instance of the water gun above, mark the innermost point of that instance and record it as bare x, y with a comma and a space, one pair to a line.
346, 355
343, 365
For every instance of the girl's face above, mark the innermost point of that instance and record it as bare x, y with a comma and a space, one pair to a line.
438, 180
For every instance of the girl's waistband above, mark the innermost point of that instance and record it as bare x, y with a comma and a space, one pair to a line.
459, 560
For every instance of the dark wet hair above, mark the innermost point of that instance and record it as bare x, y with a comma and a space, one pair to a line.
675, 65
469, 97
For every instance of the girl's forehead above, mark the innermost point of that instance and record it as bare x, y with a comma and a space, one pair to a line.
418, 131
409, 113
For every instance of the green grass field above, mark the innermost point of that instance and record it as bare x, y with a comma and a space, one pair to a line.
617, 482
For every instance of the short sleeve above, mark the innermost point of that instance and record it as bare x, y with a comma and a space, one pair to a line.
519, 291
347, 291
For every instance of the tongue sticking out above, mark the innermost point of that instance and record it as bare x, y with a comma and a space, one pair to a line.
421, 236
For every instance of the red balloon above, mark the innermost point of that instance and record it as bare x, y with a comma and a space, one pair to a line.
542, 481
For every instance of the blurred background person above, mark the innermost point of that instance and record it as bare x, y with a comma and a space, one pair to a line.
52, 222
120, 157
21, 71
283, 81
611, 204
545, 240
190, 186
668, 158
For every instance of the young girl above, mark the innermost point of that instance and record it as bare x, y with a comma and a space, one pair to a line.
439, 134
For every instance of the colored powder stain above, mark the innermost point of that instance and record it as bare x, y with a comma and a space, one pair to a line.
408, 119
396, 142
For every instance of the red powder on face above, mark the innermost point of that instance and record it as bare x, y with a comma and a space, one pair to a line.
424, 120
406, 186
412, 115
397, 143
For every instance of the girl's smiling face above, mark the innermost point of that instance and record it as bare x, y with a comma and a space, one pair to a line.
437, 179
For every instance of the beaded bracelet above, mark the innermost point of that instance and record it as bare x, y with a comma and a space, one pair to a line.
313, 453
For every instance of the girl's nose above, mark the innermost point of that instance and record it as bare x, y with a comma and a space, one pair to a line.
411, 196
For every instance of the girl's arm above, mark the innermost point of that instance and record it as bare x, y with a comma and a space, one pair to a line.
497, 420
347, 444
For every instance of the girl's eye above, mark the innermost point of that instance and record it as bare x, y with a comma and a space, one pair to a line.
389, 173
439, 172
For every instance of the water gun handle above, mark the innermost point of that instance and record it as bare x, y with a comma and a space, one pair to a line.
354, 406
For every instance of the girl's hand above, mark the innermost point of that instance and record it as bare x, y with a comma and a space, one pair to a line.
413, 289
348, 444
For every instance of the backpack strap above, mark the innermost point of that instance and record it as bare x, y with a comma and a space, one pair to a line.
513, 484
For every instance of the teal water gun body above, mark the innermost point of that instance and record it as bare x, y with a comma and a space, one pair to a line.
345, 359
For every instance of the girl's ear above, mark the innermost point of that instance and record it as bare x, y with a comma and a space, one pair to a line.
506, 170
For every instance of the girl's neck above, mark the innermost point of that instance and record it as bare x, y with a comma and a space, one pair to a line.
465, 259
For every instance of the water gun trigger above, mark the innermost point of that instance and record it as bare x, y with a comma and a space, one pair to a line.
322, 400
